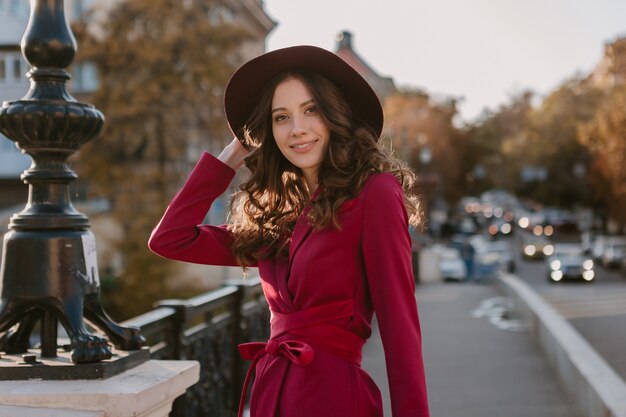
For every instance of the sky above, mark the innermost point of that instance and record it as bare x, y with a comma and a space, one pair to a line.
483, 51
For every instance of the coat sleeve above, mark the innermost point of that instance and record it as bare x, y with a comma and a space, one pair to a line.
387, 256
180, 235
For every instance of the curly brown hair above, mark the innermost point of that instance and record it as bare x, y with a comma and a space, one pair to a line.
264, 212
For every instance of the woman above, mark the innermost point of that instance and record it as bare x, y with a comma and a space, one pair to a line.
325, 217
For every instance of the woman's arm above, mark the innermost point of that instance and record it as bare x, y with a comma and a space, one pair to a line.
180, 234
387, 256
233, 154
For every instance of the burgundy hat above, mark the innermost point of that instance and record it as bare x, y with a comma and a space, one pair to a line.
245, 86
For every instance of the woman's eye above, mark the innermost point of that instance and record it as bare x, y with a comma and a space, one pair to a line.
280, 118
311, 109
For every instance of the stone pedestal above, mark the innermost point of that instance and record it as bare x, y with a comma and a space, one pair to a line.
147, 390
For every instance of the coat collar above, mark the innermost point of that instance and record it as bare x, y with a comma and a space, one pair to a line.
302, 229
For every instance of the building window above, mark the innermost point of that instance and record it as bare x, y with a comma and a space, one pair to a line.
85, 77
90, 76
17, 69
12, 68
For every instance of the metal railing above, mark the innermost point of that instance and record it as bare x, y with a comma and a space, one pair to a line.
208, 328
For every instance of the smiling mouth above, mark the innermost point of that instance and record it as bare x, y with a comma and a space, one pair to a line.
303, 146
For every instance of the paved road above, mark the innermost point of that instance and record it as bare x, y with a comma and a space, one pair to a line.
597, 311
474, 368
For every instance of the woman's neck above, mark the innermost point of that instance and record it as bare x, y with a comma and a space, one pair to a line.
310, 177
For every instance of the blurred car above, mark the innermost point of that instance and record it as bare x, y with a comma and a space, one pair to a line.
467, 225
451, 265
614, 252
488, 264
470, 204
562, 221
500, 228
597, 247
504, 251
587, 239
536, 247
569, 262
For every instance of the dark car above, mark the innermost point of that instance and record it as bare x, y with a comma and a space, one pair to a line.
500, 228
569, 262
488, 262
536, 247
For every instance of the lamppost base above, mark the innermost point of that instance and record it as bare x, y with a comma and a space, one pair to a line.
30, 365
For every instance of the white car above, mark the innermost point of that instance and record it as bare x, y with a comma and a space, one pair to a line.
504, 251
451, 266
597, 247
614, 252
568, 262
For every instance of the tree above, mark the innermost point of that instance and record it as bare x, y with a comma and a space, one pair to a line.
605, 135
423, 134
493, 142
551, 141
162, 66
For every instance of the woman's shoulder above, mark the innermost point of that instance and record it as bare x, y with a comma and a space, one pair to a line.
381, 184
380, 189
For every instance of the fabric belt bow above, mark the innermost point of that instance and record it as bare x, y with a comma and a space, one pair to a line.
297, 352
313, 324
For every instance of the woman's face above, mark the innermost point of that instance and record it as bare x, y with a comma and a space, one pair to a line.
299, 130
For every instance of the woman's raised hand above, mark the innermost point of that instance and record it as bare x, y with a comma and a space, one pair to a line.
233, 154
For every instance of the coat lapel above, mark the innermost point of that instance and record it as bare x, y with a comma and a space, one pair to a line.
278, 270
302, 230
300, 233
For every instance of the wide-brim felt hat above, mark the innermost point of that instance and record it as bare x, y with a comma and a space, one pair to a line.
245, 86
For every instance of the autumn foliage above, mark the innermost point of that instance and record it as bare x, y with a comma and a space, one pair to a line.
162, 67
422, 133
605, 136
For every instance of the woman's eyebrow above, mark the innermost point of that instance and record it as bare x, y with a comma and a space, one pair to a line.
306, 103
278, 109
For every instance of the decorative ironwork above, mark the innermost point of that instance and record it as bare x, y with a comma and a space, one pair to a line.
49, 272
208, 328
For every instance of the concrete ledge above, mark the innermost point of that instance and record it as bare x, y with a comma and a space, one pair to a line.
147, 390
595, 387
14, 411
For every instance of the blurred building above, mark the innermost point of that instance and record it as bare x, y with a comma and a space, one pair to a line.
383, 86
14, 15
13, 85
247, 13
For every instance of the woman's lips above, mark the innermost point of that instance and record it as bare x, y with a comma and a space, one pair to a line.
303, 147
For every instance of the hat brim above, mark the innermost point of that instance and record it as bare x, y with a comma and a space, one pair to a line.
245, 86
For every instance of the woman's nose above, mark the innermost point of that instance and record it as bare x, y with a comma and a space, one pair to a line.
298, 126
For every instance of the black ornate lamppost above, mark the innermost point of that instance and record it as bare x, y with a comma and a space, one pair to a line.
48, 271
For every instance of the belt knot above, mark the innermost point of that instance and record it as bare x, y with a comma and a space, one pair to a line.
297, 352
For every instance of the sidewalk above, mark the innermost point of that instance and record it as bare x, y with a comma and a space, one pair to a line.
473, 368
